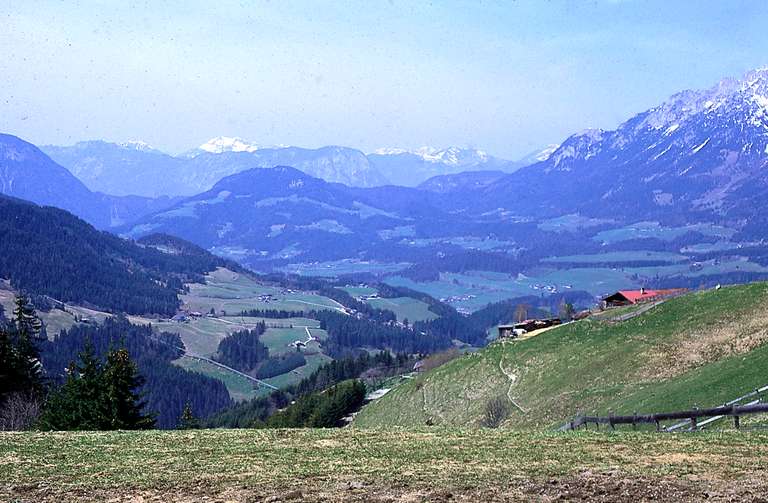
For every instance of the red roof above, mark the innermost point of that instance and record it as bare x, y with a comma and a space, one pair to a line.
635, 296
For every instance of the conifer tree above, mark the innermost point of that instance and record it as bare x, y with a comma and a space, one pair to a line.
20, 367
188, 420
121, 380
7, 361
25, 318
27, 327
97, 397
77, 404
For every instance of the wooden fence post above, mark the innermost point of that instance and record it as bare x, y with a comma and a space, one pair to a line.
694, 423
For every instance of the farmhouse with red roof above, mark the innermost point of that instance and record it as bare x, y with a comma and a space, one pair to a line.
630, 297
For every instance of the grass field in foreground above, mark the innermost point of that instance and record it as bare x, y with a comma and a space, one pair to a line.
379, 465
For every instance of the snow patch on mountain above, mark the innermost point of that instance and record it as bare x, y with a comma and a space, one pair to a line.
452, 156
222, 144
546, 152
751, 89
139, 145
583, 145
701, 146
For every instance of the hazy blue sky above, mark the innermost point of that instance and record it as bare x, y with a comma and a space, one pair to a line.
504, 76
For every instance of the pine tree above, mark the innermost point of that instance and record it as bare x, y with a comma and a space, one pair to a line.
188, 420
20, 367
25, 318
7, 362
97, 397
121, 380
78, 404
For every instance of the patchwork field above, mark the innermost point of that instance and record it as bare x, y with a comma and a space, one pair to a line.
466, 242
380, 466
314, 361
232, 293
405, 308
55, 320
239, 387
340, 267
357, 291
642, 230
619, 257
473, 290
279, 340
571, 223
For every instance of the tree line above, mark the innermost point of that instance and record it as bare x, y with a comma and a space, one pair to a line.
49, 251
258, 411
115, 375
244, 351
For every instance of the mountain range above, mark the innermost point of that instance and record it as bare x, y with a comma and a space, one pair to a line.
135, 168
699, 157
27, 173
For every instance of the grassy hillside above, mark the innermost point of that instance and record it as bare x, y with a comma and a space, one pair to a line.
356, 465
700, 349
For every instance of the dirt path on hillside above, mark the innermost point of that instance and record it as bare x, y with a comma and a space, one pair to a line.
512, 380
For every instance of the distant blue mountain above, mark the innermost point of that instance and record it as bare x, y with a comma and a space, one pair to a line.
124, 169
134, 168
120, 169
27, 173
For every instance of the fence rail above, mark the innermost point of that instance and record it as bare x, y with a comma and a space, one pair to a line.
693, 415
736, 401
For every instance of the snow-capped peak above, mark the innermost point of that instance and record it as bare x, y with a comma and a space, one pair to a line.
453, 156
227, 144
391, 151
752, 87
139, 145
538, 155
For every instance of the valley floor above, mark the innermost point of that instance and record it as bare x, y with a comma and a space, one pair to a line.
381, 465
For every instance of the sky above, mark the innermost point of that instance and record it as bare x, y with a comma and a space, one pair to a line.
507, 77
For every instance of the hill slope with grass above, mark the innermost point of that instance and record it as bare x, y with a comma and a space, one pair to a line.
700, 350
318, 465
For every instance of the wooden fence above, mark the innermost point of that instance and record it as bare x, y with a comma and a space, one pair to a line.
693, 415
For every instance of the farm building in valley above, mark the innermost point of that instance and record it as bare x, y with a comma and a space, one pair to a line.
523, 327
631, 297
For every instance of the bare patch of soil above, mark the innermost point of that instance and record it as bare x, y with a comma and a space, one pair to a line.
605, 486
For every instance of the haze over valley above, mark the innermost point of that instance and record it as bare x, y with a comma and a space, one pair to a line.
399, 252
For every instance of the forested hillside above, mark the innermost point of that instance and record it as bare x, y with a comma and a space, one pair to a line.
48, 251
167, 388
